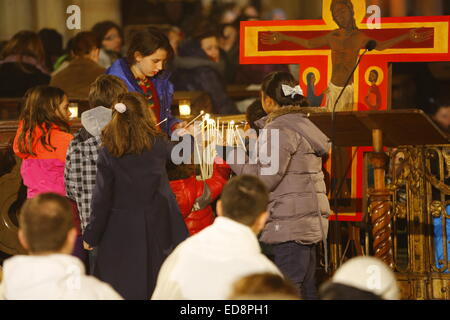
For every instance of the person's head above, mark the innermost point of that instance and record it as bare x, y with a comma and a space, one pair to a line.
311, 78
439, 111
46, 225
228, 36
148, 52
209, 43
175, 35
367, 275
44, 106
52, 42
181, 171
25, 43
250, 12
226, 13
338, 291
343, 14
373, 76
85, 45
131, 130
272, 95
254, 112
262, 286
105, 90
244, 199
109, 35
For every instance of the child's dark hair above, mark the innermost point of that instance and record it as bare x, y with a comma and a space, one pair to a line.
254, 112
271, 86
181, 171
105, 90
147, 42
40, 111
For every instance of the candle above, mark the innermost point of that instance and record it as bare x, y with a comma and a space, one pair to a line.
161, 122
201, 113
185, 108
73, 109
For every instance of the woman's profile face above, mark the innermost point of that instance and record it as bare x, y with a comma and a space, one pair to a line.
63, 109
112, 40
442, 117
211, 47
152, 64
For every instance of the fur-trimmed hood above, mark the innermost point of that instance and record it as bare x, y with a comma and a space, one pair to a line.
294, 118
283, 111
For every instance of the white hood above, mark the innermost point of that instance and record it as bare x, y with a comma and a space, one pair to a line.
51, 277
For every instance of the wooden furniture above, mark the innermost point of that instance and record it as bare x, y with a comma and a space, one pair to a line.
402, 211
12, 191
10, 108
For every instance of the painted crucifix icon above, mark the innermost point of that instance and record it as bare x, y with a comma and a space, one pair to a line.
345, 44
327, 50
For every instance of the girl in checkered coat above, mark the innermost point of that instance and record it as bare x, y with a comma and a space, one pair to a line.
135, 220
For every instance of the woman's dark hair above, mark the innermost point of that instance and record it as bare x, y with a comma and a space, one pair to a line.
254, 112
83, 43
101, 29
205, 29
147, 42
53, 45
271, 86
22, 44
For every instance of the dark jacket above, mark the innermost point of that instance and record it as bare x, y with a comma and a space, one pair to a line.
298, 199
135, 220
77, 77
16, 78
164, 88
203, 78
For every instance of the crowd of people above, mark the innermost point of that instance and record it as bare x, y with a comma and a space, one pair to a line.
110, 202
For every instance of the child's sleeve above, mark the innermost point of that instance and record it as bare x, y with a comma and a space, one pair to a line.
102, 199
221, 173
69, 171
273, 169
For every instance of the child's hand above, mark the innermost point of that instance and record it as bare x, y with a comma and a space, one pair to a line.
87, 246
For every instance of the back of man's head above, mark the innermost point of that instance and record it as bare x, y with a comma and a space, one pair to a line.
45, 222
244, 198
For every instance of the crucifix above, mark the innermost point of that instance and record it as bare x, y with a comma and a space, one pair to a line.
327, 50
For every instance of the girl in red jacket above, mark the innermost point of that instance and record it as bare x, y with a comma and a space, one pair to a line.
41, 141
194, 196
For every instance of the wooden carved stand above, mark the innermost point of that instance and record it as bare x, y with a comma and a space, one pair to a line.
380, 203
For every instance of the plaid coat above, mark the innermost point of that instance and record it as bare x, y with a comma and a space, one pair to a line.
80, 172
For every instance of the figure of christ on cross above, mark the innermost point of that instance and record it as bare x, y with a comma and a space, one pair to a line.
345, 43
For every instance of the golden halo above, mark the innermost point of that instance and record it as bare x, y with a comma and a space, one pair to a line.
309, 70
380, 75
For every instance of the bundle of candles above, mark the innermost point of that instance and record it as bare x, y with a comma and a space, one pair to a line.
208, 134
